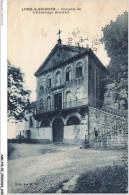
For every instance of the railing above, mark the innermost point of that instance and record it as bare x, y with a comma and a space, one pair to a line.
45, 109
75, 103
98, 104
65, 105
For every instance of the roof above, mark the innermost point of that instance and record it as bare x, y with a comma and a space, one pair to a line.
67, 53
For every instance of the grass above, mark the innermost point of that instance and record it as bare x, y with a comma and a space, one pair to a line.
103, 180
11, 149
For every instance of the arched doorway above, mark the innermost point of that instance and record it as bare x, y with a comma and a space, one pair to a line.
58, 130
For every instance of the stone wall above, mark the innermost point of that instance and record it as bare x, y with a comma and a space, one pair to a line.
111, 129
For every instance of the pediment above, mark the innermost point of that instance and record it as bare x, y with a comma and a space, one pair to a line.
59, 55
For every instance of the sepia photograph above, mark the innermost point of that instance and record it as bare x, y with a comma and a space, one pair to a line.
67, 94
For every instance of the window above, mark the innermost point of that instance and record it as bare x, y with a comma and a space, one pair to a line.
68, 99
49, 81
42, 83
68, 96
41, 103
58, 78
49, 103
78, 70
78, 93
73, 120
68, 74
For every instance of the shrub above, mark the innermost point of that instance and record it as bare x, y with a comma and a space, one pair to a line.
103, 180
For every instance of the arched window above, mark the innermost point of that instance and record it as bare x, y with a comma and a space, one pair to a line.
78, 93
73, 120
41, 103
42, 83
45, 123
68, 98
58, 78
68, 74
49, 81
49, 103
78, 70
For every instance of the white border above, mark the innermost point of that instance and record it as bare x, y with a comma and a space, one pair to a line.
4, 88
3, 79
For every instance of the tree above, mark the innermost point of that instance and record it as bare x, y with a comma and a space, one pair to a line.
115, 39
18, 97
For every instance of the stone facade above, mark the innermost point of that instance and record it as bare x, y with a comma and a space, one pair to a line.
67, 81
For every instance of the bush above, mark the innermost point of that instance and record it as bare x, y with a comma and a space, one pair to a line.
103, 180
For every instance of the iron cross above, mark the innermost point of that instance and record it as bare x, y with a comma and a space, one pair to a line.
59, 33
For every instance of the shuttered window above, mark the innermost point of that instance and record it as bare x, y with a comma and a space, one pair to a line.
49, 81
42, 83
68, 74
78, 70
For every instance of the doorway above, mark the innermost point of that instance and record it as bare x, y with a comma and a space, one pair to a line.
58, 101
28, 134
58, 130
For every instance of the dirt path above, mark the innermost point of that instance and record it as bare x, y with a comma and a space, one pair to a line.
42, 168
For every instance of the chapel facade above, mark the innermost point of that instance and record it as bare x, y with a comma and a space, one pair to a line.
69, 81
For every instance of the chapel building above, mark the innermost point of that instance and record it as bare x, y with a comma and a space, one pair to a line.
69, 81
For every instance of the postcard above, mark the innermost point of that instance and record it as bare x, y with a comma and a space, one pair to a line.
64, 97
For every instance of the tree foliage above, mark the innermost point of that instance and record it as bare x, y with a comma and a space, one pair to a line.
115, 39
18, 97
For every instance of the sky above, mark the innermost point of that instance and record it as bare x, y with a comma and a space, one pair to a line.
32, 36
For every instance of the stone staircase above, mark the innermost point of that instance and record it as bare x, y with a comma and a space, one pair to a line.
111, 126
111, 139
